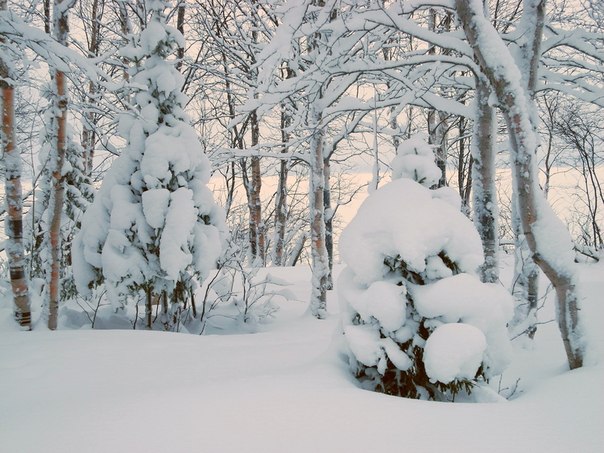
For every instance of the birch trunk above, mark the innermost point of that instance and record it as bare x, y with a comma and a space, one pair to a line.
328, 213
538, 221
526, 271
320, 260
180, 26
437, 120
89, 119
14, 201
281, 198
126, 29
57, 160
483, 181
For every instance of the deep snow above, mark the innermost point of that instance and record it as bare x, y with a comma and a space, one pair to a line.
283, 389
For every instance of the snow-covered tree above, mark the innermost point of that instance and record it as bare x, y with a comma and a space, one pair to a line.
417, 320
78, 194
547, 238
12, 174
153, 226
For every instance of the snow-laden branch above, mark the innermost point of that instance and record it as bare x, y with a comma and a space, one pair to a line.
58, 56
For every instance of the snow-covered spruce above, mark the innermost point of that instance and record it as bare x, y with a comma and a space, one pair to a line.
154, 227
417, 320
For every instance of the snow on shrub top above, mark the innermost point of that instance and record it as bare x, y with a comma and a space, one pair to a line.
415, 160
405, 219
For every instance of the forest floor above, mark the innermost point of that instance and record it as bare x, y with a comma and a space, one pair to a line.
282, 389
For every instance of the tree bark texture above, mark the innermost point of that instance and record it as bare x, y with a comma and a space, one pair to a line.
483, 181
437, 121
253, 187
515, 103
89, 119
320, 260
281, 197
14, 201
180, 26
328, 212
526, 271
57, 159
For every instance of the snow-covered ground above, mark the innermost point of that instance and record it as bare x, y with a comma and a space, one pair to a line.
282, 389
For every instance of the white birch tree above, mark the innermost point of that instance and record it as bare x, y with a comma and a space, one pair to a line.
546, 236
13, 189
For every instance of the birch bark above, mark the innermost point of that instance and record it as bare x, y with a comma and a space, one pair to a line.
536, 216
13, 191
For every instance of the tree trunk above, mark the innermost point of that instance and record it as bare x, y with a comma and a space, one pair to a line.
437, 120
57, 181
554, 257
89, 118
328, 212
13, 191
256, 213
126, 29
281, 198
148, 309
483, 181
180, 26
464, 167
320, 260
526, 271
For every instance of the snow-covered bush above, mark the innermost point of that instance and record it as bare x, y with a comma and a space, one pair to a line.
240, 295
154, 226
417, 321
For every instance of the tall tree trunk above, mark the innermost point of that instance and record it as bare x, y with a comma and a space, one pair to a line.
526, 271
253, 187
256, 212
464, 167
320, 260
281, 198
13, 191
329, 214
89, 118
553, 255
483, 181
57, 159
437, 120
126, 29
180, 26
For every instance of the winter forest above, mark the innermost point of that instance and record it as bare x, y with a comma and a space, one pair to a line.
294, 225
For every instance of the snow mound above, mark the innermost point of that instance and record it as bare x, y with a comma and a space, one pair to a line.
454, 351
406, 220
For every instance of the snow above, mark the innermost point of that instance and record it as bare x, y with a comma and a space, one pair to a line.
464, 296
454, 351
415, 160
382, 228
383, 301
155, 205
284, 388
181, 218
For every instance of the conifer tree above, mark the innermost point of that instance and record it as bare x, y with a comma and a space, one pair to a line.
417, 321
153, 227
